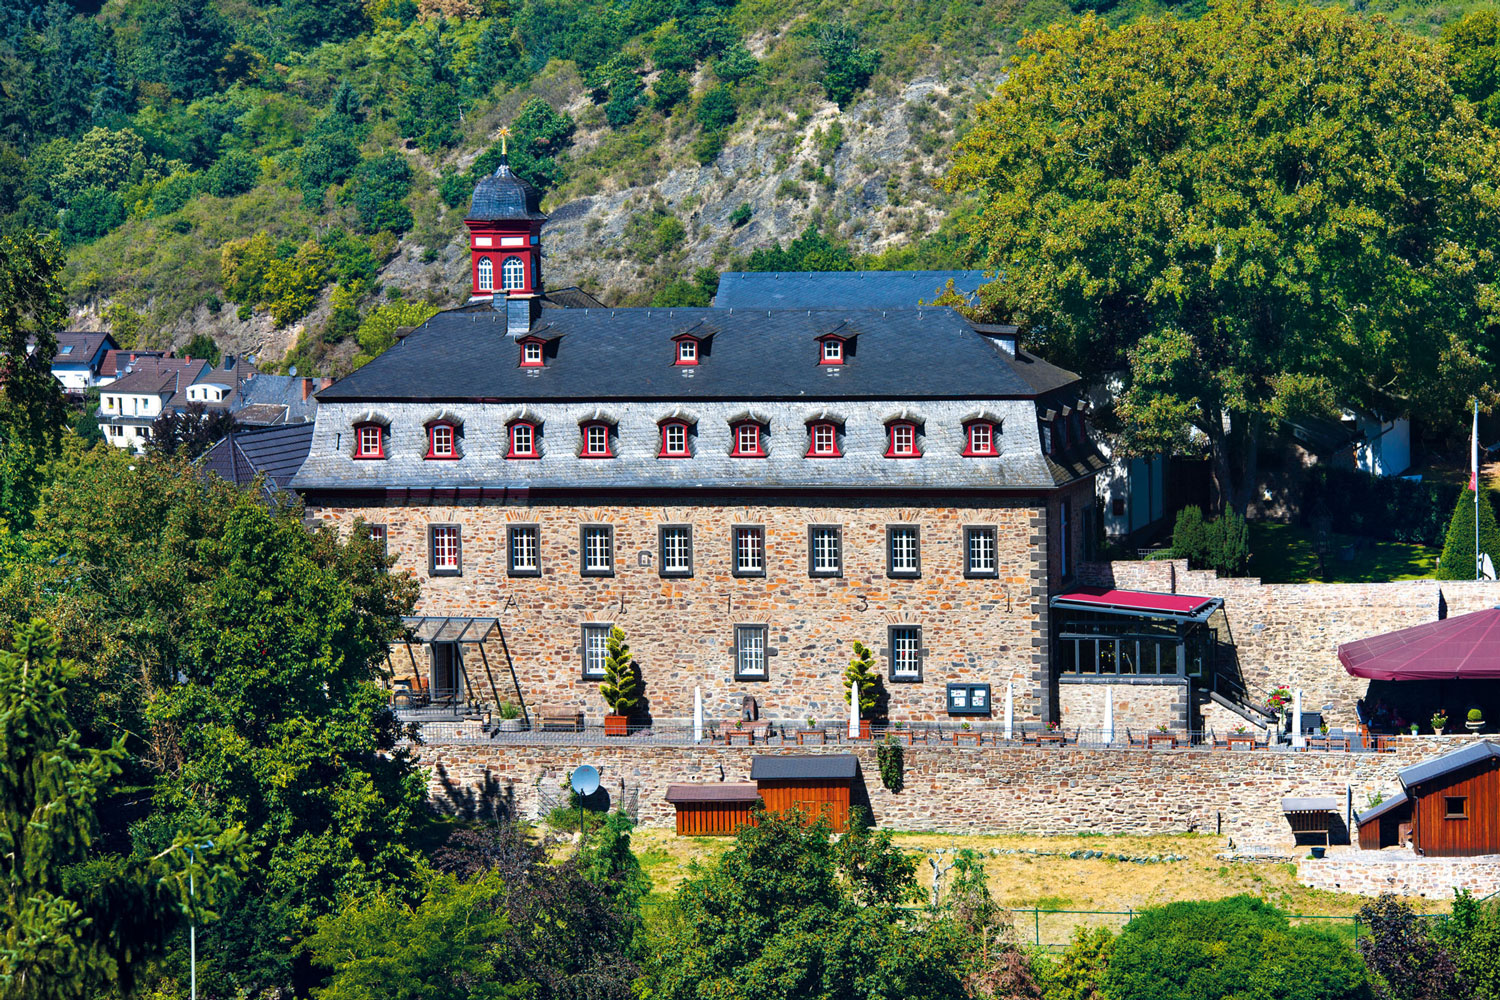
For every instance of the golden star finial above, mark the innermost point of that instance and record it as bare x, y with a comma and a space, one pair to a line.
503, 134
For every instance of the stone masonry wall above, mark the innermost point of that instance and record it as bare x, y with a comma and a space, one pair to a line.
1289, 634
1139, 708
967, 789
681, 631
1371, 873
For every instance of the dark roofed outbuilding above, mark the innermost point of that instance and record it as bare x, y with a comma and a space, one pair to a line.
1450, 804
815, 785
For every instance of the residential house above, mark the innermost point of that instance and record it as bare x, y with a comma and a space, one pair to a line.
273, 453
130, 404
80, 355
267, 400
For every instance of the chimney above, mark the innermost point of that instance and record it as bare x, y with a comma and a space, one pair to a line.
325, 382
307, 385
519, 311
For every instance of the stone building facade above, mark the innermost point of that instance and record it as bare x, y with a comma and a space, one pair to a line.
745, 493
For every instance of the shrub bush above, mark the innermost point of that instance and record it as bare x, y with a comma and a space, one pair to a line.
1222, 545
1457, 561
1393, 509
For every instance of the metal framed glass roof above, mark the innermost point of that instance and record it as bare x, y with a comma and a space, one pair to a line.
448, 629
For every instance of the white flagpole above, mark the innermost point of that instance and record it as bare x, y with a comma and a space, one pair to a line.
1474, 484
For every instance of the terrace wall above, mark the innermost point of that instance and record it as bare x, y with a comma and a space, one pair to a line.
959, 789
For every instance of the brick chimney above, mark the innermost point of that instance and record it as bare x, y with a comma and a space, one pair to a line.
307, 385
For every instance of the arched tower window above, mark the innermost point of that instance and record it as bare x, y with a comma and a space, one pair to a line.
513, 274
486, 275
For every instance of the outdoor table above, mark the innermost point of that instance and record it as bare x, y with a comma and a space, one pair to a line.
812, 736
968, 736
1054, 738
1244, 740
1152, 739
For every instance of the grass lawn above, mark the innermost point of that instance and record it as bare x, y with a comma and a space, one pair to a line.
1283, 553
1026, 882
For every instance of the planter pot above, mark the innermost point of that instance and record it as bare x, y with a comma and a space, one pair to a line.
1474, 727
864, 729
1318, 852
511, 725
1437, 730
617, 725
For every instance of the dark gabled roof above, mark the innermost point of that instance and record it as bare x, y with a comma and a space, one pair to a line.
1042, 376
1399, 799
158, 376
721, 791
569, 297
627, 354
117, 360
813, 767
841, 289
80, 347
1457, 760
502, 196
276, 452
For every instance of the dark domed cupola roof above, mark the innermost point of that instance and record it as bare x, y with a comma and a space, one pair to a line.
502, 195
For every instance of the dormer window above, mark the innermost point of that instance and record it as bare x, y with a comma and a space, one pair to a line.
823, 440
903, 440
687, 351
442, 440
486, 274
596, 441
523, 443
369, 441
832, 352
531, 353
674, 440
749, 440
981, 439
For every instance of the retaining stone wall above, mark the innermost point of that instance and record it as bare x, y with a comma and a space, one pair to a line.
1371, 873
965, 789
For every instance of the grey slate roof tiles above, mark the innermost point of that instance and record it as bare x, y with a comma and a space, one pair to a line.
808, 767
841, 289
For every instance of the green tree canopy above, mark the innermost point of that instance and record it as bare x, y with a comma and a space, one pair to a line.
32, 409
1270, 210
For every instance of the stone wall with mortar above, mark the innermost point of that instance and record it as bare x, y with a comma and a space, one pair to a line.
1289, 634
681, 631
1372, 873
1138, 708
963, 789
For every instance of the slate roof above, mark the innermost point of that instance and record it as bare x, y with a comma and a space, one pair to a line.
1399, 799
811, 767
276, 452
270, 399
750, 354
841, 289
79, 347
721, 791
1464, 757
1314, 804
502, 195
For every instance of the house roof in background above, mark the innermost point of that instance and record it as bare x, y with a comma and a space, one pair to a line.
277, 399
156, 375
80, 347
118, 359
276, 452
841, 289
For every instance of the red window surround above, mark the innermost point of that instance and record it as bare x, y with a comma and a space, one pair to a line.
523, 443
369, 441
442, 441
823, 440
674, 440
749, 440
981, 439
596, 441
688, 351
830, 350
903, 440
531, 353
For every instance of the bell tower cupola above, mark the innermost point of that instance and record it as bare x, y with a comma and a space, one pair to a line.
505, 234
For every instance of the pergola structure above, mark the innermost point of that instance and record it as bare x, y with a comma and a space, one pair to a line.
446, 637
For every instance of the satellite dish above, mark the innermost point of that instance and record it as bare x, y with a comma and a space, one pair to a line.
292, 371
585, 779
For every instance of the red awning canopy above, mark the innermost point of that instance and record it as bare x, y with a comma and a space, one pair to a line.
1137, 602
1466, 647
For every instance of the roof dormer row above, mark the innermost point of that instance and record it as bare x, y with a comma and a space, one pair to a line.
691, 349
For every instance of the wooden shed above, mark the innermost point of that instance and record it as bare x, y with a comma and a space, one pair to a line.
713, 810
817, 784
1313, 816
1452, 804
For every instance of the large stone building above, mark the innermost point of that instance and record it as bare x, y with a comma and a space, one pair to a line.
745, 491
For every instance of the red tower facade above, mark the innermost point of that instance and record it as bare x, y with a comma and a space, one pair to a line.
505, 236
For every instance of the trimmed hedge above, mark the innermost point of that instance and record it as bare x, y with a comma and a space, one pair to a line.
1390, 509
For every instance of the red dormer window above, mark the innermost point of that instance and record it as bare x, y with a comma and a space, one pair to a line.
981, 439
823, 440
369, 441
596, 441
674, 440
831, 351
749, 440
531, 354
523, 440
442, 441
903, 440
687, 351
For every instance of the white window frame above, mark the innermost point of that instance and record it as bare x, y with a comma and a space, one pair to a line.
523, 546
676, 543
825, 440
517, 430
678, 448
833, 351
751, 652
513, 278
595, 649
981, 551
687, 351
445, 543
486, 271
825, 555
442, 441
367, 433
596, 550
531, 354
904, 440
906, 653
913, 568
748, 550
596, 440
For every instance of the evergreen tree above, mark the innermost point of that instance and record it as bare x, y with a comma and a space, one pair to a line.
1457, 561
622, 680
32, 409
861, 671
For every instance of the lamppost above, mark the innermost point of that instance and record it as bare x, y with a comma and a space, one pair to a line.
193, 923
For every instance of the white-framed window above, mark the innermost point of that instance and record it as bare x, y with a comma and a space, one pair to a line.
674, 438
597, 542
486, 275
750, 652
369, 441
523, 546
522, 440
444, 545
596, 441
531, 354
833, 351
906, 653
513, 274
441, 441
823, 441
981, 438
595, 650
747, 441
380, 536
676, 550
905, 553
979, 552
824, 545
749, 550
687, 351
903, 440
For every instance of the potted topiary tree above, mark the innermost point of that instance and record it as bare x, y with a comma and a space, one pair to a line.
1475, 721
622, 684
861, 671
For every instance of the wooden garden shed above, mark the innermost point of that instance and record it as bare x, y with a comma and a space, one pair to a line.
713, 810
817, 784
1452, 804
